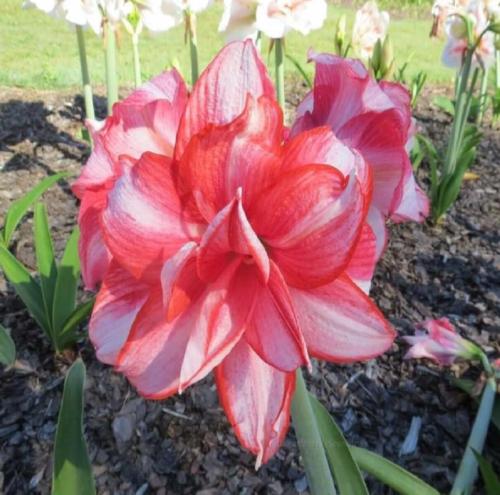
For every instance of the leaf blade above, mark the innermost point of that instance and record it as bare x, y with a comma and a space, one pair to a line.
72, 469
20, 207
490, 478
348, 477
7, 348
66, 335
391, 474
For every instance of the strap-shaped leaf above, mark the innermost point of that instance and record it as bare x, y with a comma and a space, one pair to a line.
392, 475
68, 333
300, 69
347, 475
68, 274
20, 207
45, 257
72, 468
490, 478
26, 287
7, 348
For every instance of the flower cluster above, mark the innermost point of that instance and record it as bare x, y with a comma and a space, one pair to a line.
223, 242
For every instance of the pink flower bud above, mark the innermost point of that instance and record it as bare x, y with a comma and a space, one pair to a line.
441, 343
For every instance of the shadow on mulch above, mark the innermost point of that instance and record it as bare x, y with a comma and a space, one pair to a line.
184, 445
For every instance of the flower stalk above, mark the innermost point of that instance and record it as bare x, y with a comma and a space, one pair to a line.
87, 87
193, 45
467, 471
111, 76
310, 443
483, 95
137, 61
280, 71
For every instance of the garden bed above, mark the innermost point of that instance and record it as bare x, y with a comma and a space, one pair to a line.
185, 445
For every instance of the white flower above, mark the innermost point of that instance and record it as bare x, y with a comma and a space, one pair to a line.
456, 45
275, 18
83, 13
116, 10
370, 25
51, 7
238, 21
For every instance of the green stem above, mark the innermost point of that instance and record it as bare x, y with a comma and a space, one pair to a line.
497, 78
280, 71
111, 76
483, 95
467, 472
193, 46
87, 88
313, 454
137, 61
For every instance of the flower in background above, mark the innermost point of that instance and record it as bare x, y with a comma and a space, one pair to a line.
370, 25
220, 247
374, 119
440, 11
162, 15
84, 13
441, 343
238, 21
457, 43
274, 18
52, 7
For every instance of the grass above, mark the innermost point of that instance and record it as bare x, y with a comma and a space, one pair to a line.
39, 52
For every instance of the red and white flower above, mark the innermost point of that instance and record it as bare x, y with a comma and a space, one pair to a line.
375, 120
220, 247
441, 343
370, 25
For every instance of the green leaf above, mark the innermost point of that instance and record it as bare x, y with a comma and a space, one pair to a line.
20, 207
7, 348
491, 482
25, 286
67, 334
347, 475
45, 257
68, 274
301, 69
444, 104
72, 469
391, 474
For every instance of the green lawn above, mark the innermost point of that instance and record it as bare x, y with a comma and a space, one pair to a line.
39, 52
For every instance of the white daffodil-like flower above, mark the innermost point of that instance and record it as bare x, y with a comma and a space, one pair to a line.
116, 11
370, 25
238, 21
457, 43
275, 18
52, 7
83, 13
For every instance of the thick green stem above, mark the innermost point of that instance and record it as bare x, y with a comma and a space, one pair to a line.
111, 76
137, 61
467, 472
313, 454
483, 95
193, 46
87, 88
280, 71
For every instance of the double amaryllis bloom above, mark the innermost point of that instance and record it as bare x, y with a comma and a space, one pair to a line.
219, 244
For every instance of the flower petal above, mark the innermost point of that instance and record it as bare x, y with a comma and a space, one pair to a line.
144, 222
220, 93
94, 255
230, 234
244, 153
340, 323
256, 398
274, 332
309, 222
117, 304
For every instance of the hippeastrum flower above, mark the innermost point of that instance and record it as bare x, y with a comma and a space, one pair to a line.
441, 343
238, 21
275, 18
370, 25
84, 13
52, 7
457, 43
226, 248
374, 119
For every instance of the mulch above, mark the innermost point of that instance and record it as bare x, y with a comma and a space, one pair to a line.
184, 445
